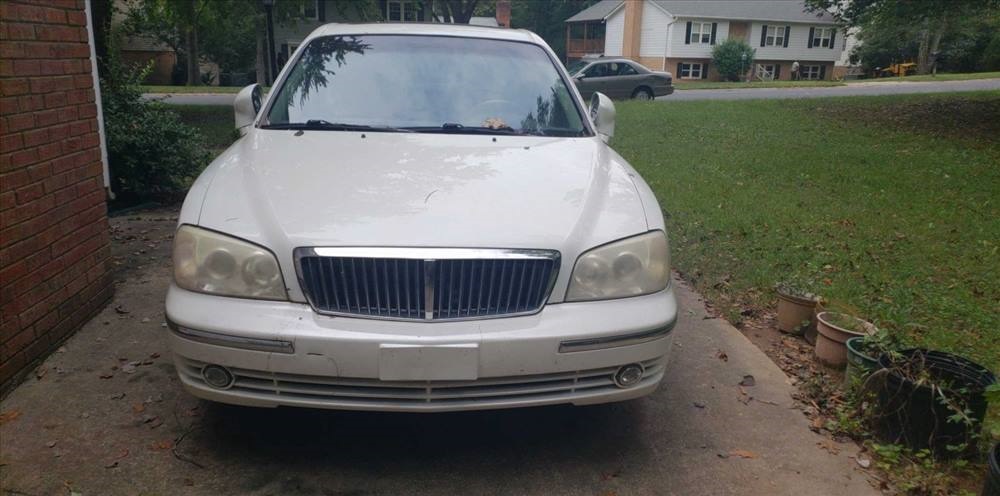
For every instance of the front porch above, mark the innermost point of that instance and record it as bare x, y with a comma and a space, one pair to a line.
584, 38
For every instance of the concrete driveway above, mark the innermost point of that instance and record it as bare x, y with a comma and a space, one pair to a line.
106, 415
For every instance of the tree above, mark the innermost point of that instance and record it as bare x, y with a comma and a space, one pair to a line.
547, 19
925, 22
453, 11
732, 58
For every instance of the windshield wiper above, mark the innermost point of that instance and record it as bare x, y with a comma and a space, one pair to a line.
323, 125
455, 128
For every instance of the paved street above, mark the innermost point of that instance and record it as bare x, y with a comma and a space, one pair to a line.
852, 89
106, 415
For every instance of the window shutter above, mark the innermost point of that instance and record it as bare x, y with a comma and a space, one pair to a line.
822, 72
812, 32
687, 36
704, 71
321, 10
714, 26
763, 34
833, 36
788, 34
777, 72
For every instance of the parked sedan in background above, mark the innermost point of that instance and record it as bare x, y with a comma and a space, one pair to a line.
619, 78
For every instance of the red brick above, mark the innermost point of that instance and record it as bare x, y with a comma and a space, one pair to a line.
11, 142
6, 68
11, 50
36, 137
53, 100
16, 123
20, 31
14, 87
70, 50
28, 13
39, 50
26, 68
6, 201
55, 16
14, 180
49, 151
23, 157
28, 193
32, 102
8, 105
57, 33
83, 81
50, 84
76, 18
47, 117
51, 67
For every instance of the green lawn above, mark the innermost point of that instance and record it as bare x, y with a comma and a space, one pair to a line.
726, 85
216, 122
889, 204
940, 77
191, 89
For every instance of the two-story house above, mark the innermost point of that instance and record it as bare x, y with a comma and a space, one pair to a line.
678, 35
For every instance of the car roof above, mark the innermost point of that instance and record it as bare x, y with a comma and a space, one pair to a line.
427, 29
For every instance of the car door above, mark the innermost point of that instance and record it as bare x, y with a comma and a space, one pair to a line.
628, 79
593, 78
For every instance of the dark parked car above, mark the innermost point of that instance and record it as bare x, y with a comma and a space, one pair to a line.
619, 78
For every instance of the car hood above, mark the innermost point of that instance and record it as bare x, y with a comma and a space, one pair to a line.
287, 189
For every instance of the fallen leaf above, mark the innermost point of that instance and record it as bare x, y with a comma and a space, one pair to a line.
863, 462
51, 444
742, 453
154, 356
40, 372
138, 408
116, 396
188, 482
106, 375
748, 381
162, 445
121, 310
829, 446
145, 320
128, 368
699, 404
9, 416
721, 355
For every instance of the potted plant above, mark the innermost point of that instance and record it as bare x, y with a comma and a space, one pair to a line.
863, 353
930, 400
833, 331
796, 307
992, 485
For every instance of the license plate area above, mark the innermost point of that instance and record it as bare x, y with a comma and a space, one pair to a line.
446, 362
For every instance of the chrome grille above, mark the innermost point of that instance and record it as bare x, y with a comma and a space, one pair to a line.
426, 284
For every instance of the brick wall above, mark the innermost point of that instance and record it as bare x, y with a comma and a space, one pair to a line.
54, 243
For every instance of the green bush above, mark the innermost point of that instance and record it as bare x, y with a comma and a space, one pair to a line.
153, 156
733, 58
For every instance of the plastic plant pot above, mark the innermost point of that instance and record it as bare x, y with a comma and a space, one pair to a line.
992, 485
859, 364
831, 339
917, 414
793, 312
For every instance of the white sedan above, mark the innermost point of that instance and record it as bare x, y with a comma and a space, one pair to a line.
420, 218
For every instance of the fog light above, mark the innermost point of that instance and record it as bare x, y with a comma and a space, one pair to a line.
628, 375
217, 376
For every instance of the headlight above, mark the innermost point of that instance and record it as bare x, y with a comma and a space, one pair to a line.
209, 262
631, 267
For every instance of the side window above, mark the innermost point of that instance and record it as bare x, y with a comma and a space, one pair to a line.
597, 70
626, 70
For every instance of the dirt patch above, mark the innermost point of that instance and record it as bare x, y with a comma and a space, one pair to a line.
140, 239
974, 120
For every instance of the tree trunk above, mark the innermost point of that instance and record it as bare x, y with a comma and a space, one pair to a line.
936, 45
261, 61
923, 52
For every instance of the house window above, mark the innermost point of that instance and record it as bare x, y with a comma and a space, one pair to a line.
310, 9
811, 72
767, 71
403, 10
701, 33
690, 71
775, 36
822, 37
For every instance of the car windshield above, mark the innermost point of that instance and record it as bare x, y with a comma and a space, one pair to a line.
425, 84
576, 66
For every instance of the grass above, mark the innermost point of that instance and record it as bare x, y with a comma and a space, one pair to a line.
728, 85
216, 123
942, 76
888, 204
190, 89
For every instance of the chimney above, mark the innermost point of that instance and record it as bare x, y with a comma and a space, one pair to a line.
632, 28
503, 13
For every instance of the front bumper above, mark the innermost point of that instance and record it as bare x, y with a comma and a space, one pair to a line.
283, 353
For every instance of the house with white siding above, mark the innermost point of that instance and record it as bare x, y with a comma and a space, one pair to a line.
678, 35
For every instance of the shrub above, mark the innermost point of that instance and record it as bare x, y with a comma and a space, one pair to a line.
733, 58
151, 153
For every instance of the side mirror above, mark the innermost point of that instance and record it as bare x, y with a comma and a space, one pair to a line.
246, 106
602, 114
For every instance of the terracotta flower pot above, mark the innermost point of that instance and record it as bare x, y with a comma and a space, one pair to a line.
831, 340
795, 313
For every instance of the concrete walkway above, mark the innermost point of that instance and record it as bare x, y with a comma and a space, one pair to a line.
107, 416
